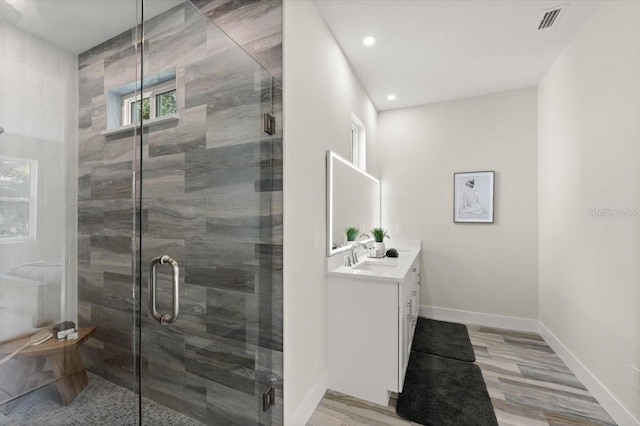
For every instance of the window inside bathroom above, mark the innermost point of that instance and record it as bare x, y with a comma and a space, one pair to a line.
358, 143
354, 144
17, 199
158, 101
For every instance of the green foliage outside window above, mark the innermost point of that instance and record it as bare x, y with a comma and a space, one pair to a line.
14, 179
166, 103
15, 191
137, 106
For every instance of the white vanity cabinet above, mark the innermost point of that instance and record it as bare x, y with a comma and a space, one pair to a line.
370, 324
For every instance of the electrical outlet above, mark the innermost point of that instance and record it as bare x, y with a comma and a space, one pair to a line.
635, 378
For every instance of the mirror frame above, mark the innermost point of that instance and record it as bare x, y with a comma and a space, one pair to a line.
331, 157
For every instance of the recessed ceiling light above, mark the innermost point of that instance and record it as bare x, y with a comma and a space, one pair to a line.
391, 97
369, 41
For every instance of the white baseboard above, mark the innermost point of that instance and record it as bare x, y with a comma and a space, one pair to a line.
489, 320
616, 410
309, 404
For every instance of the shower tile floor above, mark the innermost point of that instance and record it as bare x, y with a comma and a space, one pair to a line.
101, 403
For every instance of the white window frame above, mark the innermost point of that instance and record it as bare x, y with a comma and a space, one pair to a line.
32, 200
358, 143
355, 148
151, 94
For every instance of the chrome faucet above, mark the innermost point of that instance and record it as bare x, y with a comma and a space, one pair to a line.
353, 256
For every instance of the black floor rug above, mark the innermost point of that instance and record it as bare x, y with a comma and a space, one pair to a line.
444, 392
446, 339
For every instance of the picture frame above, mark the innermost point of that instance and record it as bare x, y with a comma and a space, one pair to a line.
473, 197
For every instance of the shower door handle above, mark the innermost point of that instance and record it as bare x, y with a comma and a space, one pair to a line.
164, 319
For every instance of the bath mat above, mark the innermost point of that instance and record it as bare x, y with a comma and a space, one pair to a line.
444, 392
446, 339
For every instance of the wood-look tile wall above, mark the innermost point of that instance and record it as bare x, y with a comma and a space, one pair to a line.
211, 198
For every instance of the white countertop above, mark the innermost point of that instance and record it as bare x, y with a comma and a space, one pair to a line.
395, 270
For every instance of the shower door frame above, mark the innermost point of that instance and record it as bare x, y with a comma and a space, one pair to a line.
260, 155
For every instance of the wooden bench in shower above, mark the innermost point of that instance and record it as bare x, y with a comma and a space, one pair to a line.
64, 357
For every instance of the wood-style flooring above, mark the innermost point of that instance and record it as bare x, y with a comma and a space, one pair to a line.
528, 383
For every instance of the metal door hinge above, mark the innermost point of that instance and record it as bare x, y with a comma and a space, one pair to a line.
268, 398
269, 124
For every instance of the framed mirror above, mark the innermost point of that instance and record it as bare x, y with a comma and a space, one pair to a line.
353, 200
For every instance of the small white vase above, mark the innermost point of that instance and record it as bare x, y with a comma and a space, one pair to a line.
379, 248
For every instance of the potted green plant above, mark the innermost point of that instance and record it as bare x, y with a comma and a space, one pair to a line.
352, 233
379, 235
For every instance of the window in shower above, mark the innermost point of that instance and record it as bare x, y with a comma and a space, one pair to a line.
158, 101
17, 199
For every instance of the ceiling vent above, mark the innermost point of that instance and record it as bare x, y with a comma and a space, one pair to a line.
551, 16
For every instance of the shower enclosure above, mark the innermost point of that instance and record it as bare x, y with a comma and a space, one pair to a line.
141, 199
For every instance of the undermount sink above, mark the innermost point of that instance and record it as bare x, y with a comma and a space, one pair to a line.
376, 266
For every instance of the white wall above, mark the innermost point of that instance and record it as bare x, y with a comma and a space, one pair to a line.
38, 110
589, 158
485, 268
320, 93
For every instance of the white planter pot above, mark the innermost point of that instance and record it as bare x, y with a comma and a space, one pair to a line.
380, 249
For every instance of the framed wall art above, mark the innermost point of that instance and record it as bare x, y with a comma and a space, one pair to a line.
473, 197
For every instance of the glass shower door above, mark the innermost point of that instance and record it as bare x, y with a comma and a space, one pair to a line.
66, 213
210, 216
122, 143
